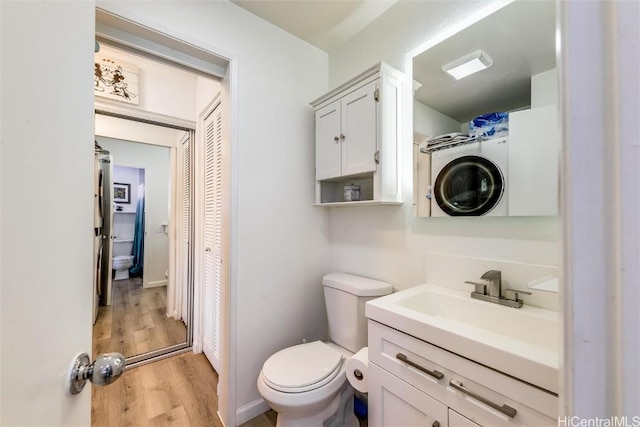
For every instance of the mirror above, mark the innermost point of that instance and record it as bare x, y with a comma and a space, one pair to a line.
488, 164
137, 294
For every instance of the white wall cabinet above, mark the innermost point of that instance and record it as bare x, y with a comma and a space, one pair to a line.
421, 384
357, 136
346, 135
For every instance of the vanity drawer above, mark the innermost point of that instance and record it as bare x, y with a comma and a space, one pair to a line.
438, 372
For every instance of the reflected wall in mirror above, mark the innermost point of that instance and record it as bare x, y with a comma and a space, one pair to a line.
508, 164
137, 293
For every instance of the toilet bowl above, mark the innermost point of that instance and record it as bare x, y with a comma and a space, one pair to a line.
121, 265
307, 384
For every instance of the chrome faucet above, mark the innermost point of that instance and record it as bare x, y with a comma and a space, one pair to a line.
494, 277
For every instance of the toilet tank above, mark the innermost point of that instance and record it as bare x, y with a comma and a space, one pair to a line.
345, 296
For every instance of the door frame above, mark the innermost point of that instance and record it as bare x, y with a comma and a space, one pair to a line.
133, 33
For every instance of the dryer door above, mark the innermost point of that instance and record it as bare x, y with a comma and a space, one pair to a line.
468, 186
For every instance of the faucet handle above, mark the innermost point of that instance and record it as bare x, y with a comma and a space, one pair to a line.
516, 292
481, 288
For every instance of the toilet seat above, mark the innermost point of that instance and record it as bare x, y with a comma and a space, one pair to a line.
302, 367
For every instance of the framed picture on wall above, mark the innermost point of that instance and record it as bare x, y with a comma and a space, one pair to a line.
121, 192
115, 80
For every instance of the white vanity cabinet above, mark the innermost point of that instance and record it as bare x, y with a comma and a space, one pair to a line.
412, 382
399, 404
357, 135
457, 420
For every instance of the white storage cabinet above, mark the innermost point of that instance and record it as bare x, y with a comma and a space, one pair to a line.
413, 383
357, 136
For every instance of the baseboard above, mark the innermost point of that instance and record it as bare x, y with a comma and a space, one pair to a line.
157, 284
251, 410
220, 418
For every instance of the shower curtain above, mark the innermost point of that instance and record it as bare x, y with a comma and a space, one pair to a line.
138, 236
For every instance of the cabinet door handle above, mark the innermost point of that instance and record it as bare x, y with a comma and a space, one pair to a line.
342, 137
505, 409
435, 374
336, 139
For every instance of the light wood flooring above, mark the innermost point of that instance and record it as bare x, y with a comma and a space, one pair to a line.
179, 391
136, 321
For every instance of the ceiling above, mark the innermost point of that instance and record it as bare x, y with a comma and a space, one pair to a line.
520, 38
326, 24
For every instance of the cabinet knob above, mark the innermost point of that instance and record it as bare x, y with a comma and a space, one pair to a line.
342, 136
336, 139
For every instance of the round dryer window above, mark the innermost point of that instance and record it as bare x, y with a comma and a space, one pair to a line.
469, 186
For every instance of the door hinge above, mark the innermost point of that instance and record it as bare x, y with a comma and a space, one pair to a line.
376, 95
376, 157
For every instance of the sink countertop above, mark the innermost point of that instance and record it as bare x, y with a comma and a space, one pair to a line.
520, 342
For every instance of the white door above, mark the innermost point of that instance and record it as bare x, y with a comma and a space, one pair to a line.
360, 130
212, 256
393, 402
185, 235
328, 142
46, 210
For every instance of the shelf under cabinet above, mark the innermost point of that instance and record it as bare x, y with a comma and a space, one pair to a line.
331, 191
359, 203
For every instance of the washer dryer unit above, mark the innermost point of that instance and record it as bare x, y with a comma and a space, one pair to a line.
471, 179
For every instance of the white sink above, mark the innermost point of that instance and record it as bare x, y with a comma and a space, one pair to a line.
521, 342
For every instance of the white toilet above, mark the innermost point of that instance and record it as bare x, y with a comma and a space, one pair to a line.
122, 264
306, 384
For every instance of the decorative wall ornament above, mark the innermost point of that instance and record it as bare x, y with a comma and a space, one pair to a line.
115, 79
121, 192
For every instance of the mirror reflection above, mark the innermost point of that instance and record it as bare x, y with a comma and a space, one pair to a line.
487, 144
134, 288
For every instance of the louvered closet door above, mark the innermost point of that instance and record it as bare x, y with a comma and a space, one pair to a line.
212, 236
186, 228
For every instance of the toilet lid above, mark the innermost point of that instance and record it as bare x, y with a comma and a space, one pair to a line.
302, 367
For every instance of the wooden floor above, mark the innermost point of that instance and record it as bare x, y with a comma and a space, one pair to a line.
268, 419
136, 321
179, 391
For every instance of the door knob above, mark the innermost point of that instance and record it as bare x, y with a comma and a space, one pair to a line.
104, 370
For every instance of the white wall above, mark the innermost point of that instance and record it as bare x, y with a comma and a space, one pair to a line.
430, 122
164, 89
544, 88
388, 243
281, 239
155, 162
